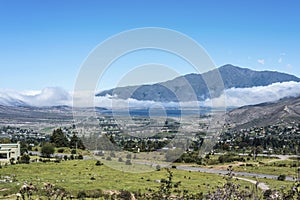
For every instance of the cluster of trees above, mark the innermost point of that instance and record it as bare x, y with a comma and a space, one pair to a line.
60, 139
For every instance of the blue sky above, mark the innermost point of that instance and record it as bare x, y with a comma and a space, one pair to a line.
44, 43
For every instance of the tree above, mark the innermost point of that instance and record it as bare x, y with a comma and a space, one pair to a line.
76, 142
47, 150
59, 139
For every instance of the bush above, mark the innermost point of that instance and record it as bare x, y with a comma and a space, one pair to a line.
12, 161
98, 163
124, 195
108, 158
267, 194
281, 177
60, 150
73, 151
81, 195
65, 157
158, 167
80, 157
25, 159
94, 194
120, 159
47, 150
128, 162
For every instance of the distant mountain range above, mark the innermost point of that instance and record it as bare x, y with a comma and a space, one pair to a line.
237, 82
194, 84
283, 111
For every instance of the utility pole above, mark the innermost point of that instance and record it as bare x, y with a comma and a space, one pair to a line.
76, 149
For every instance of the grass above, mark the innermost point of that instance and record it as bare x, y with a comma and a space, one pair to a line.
77, 175
286, 167
273, 183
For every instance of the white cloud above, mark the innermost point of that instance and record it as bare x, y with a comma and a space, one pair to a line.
50, 96
249, 96
261, 61
232, 97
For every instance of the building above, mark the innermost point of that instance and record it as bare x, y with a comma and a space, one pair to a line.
8, 151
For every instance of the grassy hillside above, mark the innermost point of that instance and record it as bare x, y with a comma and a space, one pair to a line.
80, 175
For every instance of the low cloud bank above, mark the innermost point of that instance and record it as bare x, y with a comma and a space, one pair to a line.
234, 97
237, 97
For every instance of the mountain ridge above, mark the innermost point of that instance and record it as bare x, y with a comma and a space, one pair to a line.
193, 86
284, 110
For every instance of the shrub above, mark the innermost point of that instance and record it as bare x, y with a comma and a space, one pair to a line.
120, 159
158, 167
80, 157
98, 163
73, 151
24, 159
128, 162
81, 195
65, 157
60, 150
108, 158
281, 177
12, 161
47, 150
124, 195
94, 194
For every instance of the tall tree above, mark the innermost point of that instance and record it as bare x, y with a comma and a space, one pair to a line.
59, 139
76, 142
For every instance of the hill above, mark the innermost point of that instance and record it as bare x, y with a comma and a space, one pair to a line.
283, 111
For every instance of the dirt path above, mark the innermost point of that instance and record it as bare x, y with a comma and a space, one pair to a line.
261, 185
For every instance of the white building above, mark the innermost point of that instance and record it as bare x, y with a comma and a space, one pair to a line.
8, 151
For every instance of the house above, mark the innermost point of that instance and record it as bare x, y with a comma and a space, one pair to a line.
8, 151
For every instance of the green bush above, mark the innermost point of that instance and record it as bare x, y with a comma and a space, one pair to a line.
73, 151
98, 163
60, 150
281, 177
81, 195
25, 159
47, 150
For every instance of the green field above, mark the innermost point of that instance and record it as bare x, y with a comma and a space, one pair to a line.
286, 167
80, 175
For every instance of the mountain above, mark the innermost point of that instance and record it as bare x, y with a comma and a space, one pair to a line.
285, 110
184, 87
9, 101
